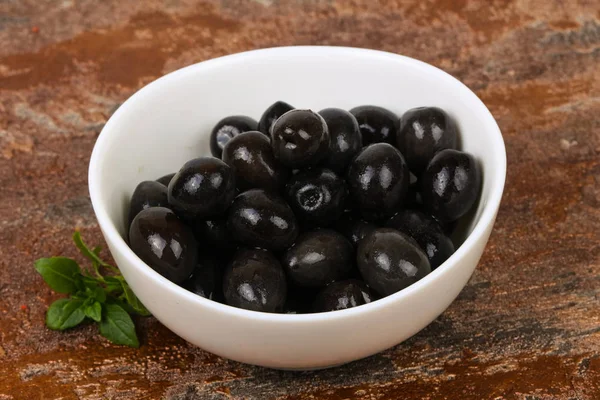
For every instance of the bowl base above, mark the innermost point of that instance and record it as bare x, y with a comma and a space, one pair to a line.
311, 369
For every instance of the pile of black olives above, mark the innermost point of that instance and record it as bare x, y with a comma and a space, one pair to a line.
309, 212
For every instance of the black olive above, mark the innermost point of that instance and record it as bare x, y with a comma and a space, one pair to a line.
345, 140
300, 138
271, 115
423, 132
426, 232
353, 228
202, 189
390, 261
228, 128
317, 196
213, 233
166, 179
318, 258
377, 124
262, 219
450, 184
147, 194
254, 280
447, 227
414, 201
378, 180
206, 279
164, 242
250, 156
342, 295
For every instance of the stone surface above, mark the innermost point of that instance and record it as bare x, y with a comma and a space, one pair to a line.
526, 327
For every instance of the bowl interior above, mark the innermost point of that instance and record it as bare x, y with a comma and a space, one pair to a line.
169, 121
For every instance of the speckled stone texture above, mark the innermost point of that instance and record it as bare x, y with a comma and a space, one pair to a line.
526, 327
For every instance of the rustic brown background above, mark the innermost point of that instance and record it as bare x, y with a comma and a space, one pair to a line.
526, 327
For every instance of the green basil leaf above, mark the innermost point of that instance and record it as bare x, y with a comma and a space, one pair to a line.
96, 250
89, 282
117, 326
93, 255
62, 274
64, 314
133, 301
100, 294
96, 292
122, 303
94, 311
113, 284
90, 254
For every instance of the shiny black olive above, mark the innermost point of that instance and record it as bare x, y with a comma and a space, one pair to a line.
390, 261
213, 233
164, 242
250, 156
262, 219
342, 295
147, 194
426, 232
423, 132
228, 128
376, 124
378, 180
345, 140
353, 228
300, 138
317, 196
318, 258
254, 280
271, 115
202, 189
166, 179
206, 279
450, 184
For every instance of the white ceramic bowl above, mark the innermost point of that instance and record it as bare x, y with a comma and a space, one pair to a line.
169, 121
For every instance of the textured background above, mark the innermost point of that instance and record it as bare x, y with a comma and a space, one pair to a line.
526, 327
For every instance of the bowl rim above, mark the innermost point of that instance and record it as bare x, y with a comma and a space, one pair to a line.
109, 229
